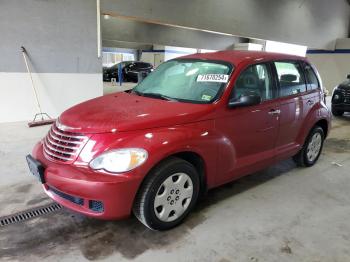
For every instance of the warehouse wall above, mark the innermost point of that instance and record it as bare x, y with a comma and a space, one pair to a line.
314, 23
333, 65
119, 29
60, 37
160, 53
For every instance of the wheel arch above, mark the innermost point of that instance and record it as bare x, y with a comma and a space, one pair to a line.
198, 162
190, 156
309, 123
323, 123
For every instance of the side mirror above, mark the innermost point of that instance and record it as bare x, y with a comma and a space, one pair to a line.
348, 76
245, 100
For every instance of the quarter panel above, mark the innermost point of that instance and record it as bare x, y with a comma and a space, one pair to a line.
318, 112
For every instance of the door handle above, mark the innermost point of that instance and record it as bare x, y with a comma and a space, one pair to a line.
274, 112
310, 102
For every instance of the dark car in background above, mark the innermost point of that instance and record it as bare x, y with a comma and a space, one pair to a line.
341, 98
130, 70
112, 72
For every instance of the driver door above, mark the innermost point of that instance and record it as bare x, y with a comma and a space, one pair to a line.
250, 132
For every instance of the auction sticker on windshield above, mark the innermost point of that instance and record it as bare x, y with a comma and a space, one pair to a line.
220, 78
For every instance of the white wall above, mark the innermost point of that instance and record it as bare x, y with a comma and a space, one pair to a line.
332, 67
61, 40
153, 58
249, 46
164, 53
57, 92
172, 52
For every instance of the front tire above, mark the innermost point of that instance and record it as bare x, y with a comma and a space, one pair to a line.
312, 148
167, 195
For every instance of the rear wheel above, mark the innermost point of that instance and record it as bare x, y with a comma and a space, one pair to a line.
167, 195
312, 148
337, 112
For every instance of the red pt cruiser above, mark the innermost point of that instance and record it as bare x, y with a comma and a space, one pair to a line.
195, 123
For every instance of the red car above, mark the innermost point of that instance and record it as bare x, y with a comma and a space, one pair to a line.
195, 123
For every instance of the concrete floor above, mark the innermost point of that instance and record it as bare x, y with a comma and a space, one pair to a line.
283, 213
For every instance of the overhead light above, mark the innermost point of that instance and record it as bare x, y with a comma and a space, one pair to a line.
106, 16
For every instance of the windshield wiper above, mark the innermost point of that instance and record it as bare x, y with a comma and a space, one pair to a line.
156, 95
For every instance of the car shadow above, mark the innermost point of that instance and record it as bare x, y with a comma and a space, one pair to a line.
245, 183
62, 232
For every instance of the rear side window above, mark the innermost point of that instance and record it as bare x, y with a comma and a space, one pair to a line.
311, 78
290, 77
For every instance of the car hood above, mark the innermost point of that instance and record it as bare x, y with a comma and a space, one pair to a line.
345, 85
127, 112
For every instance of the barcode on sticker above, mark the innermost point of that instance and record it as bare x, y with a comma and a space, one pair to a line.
221, 78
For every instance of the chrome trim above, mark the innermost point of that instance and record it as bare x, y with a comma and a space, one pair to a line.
64, 127
55, 150
65, 140
60, 145
275, 112
49, 154
57, 132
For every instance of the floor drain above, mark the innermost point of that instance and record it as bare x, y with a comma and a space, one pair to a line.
29, 214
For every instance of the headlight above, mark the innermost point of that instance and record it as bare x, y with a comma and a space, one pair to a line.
120, 160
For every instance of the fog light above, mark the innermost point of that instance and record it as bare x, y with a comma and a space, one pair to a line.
336, 97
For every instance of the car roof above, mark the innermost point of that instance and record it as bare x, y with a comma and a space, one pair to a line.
134, 62
236, 57
141, 62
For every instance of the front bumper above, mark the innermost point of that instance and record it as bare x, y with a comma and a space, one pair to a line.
341, 107
86, 191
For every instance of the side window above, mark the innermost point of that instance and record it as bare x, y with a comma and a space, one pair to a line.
257, 79
311, 78
290, 77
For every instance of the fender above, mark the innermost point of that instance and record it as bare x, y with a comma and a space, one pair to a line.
161, 143
317, 113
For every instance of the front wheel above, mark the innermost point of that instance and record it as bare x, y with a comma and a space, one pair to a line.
312, 148
167, 195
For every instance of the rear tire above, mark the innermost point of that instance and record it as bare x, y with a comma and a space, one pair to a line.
337, 112
311, 149
167, 195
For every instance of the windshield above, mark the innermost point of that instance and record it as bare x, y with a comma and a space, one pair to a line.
195, 81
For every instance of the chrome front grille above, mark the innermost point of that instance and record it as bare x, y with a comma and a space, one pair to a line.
346, 95
63, 146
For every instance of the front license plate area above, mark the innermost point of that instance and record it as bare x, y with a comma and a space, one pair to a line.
36, 168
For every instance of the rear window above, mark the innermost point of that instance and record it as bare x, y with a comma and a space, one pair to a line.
311, 78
